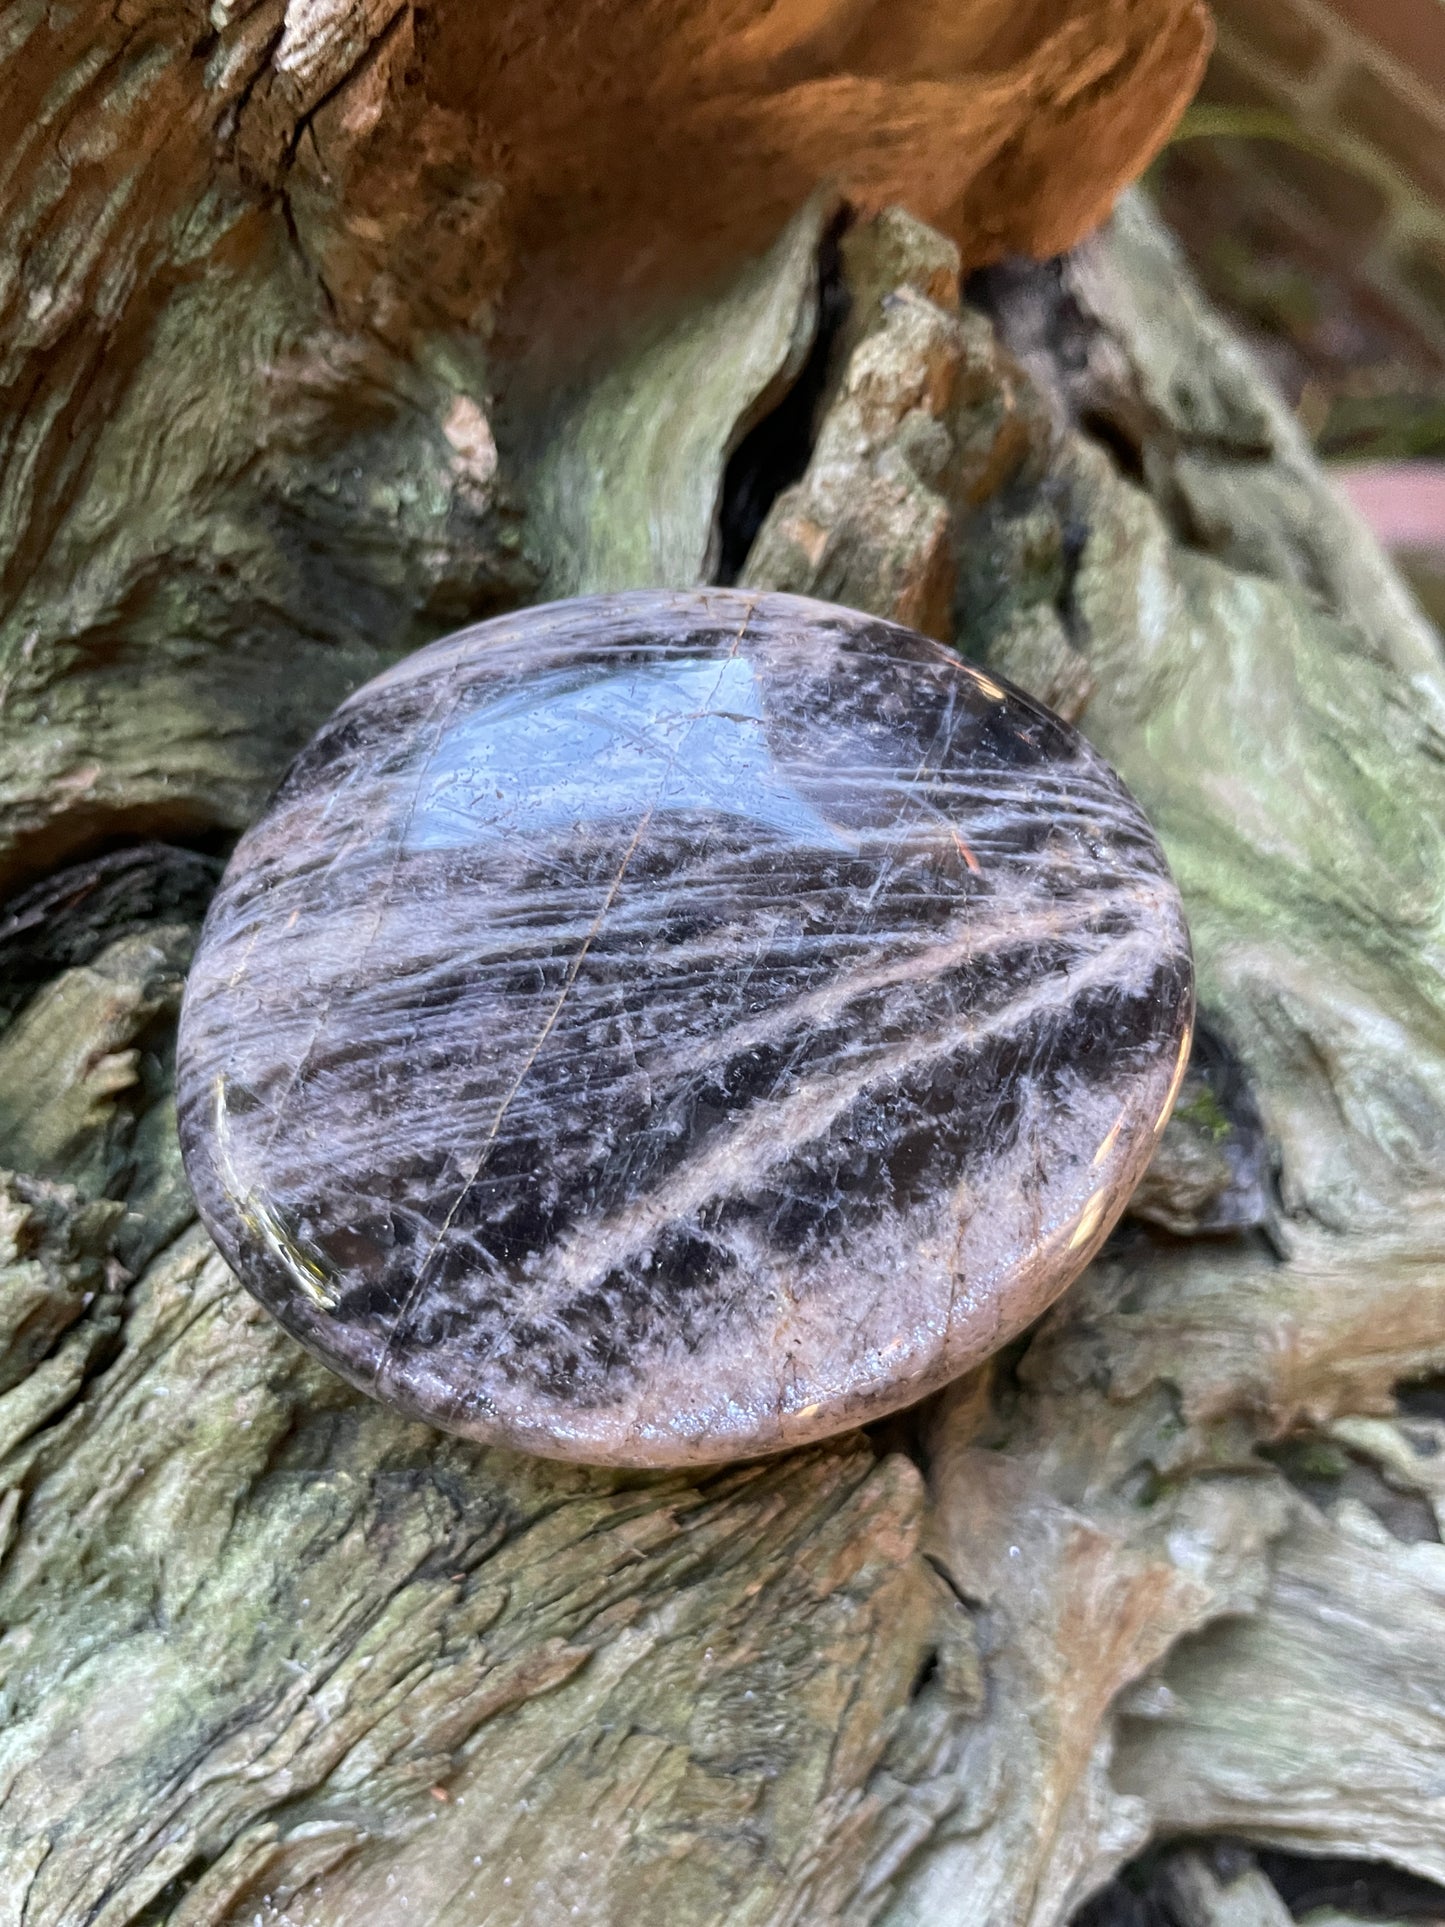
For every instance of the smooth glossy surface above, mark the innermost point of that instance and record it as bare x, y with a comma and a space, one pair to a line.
660, 1028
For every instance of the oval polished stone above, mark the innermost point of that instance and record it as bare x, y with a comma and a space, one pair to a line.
665, 1028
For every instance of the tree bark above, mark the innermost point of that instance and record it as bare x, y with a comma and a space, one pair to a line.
1171, 1565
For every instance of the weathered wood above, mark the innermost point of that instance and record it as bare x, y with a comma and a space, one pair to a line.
1172, 1563
267, 1640
251, 261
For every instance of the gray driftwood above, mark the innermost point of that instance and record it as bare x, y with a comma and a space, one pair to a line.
1172, 1565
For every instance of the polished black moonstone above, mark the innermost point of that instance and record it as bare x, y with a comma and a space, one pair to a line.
663, 1028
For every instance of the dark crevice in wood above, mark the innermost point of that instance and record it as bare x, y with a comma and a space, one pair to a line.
1218, 1116
163, 1907
1422, 1398
775, 453
1110, 433
71, 916
1140, 1896
1095, 390
1324, 1472
98, 828
1141, 1893
926, 1674
1365, 1887
108, 1346
906, 1432
966, 1600
1073, 540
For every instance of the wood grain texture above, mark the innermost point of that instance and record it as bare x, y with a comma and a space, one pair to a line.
252, 261
272, 1650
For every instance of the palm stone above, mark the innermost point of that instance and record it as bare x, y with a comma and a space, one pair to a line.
663, 1028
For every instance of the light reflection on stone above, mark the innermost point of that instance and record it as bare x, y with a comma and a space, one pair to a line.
668, 1028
